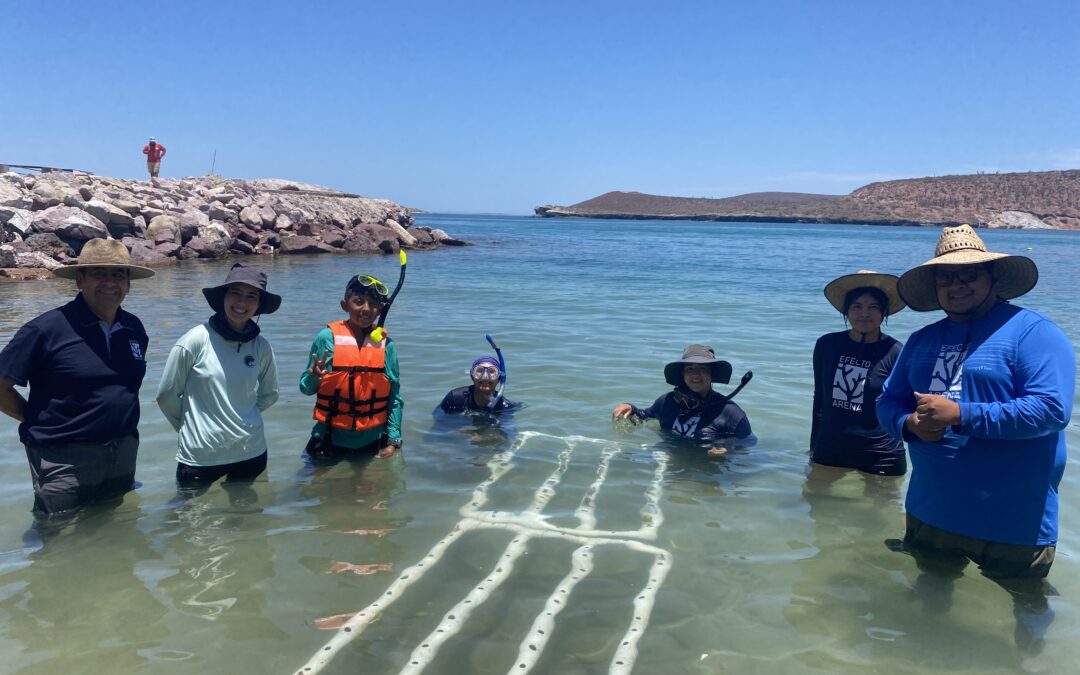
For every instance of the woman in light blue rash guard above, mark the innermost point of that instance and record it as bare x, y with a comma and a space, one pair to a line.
219, 378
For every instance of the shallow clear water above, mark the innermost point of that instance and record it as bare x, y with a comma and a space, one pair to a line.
766, 573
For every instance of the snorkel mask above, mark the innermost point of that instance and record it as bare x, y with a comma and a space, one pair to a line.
485, 369
363, 284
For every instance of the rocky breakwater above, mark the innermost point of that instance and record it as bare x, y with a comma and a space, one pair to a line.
46, 219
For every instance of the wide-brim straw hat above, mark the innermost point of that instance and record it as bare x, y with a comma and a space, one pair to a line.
1014, 275
698, 354
242, 274
837, 289
108, 253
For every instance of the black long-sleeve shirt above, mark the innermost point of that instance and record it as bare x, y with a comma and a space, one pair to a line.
848, 377
715, 417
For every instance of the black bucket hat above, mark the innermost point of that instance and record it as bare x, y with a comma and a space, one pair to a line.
698, 354
242, 274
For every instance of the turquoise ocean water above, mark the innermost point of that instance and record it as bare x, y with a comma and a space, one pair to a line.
558, 544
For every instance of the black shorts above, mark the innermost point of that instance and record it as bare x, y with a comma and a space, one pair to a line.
69, 476
995, 559
188, 476
329, 453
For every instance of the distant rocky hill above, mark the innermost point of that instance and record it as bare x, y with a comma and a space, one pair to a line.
46, 218
1045, 199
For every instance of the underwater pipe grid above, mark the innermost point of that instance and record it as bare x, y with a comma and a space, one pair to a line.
526, 525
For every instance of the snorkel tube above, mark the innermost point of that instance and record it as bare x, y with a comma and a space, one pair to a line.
745, 379
502, 375
377, 334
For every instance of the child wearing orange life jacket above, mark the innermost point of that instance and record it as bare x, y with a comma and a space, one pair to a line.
353, 373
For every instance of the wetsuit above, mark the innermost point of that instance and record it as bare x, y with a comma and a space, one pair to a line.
461, 400
848, 376
685, 414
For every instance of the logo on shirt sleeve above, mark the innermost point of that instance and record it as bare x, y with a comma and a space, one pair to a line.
136, 350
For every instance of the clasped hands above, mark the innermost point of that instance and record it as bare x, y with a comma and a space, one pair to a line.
933, 415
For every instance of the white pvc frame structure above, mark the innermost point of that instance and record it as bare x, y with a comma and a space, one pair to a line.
526, 525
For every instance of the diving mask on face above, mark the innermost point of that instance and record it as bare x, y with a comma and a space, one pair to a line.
484, 370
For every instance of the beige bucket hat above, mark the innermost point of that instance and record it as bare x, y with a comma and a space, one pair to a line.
104, 253
698, 354
1014, 274
837, 289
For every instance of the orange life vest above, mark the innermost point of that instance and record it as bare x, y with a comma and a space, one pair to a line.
355, 394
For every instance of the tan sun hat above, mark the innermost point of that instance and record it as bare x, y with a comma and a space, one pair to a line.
698, 354
837, 289
1014, 274
104, 253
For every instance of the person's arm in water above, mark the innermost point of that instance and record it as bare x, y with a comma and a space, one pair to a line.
731, 429
626, 411
12, 403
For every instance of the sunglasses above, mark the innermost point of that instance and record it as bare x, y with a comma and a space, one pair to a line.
964, 275
365, 281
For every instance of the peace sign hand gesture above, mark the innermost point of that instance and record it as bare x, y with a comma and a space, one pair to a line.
318, 366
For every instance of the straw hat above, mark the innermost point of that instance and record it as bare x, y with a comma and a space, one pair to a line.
104, 253
1014, 274
704, 354
837, 289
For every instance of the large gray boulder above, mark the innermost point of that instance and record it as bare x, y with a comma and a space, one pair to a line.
143, 254
170, 249
13, 196
69, 223
422, 237
208, 247
283, 222
218, 212
17, 221
128, 205
242, 247
371, 238
164, 228
302, 244
47, 194
191, 221
7, 255
49, 244
35, 259
107, 213
251, 217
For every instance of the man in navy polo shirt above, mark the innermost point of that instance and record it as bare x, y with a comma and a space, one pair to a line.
84, 363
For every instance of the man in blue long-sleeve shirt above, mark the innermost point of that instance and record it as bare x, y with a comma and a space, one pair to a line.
983, 398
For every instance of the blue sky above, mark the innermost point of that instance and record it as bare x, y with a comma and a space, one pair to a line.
499, 106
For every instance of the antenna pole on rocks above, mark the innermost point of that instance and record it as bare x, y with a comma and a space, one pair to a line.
213, 161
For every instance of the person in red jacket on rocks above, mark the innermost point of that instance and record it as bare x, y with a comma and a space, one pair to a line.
154, 151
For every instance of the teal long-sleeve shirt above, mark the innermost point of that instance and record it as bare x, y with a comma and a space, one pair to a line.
324, 345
